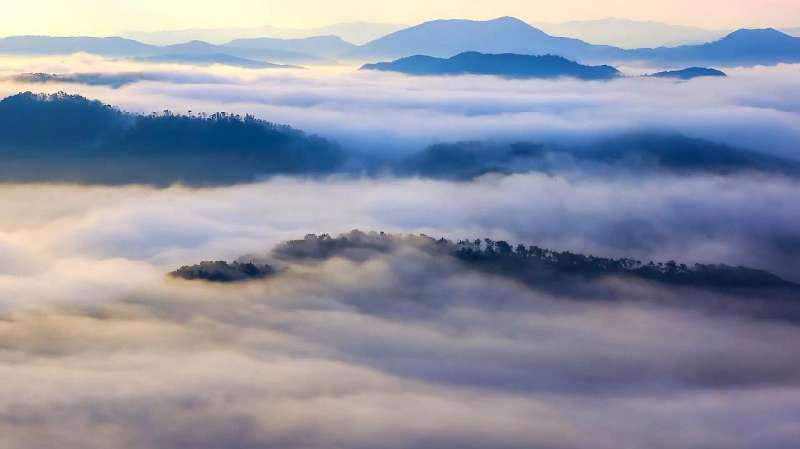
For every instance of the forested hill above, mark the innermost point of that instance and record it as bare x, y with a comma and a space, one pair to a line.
69, 138
532, 264
637, 152
63, 137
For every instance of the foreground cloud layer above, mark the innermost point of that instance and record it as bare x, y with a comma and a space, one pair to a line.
98, 348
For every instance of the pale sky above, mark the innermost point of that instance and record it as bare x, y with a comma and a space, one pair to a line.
109, 17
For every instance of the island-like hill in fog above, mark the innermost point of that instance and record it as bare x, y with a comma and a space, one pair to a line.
559, 272
506, 65
689, 73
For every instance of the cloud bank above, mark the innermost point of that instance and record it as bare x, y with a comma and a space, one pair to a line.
395, 350
754, 108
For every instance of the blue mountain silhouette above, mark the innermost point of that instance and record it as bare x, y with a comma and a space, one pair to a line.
506, 65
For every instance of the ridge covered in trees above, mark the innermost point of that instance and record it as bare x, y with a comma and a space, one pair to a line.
532, 265
221, 271
71, 138
672, 153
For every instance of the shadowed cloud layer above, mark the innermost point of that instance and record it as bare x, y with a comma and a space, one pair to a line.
395, 349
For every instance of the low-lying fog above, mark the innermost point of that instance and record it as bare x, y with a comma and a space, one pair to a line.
99, 349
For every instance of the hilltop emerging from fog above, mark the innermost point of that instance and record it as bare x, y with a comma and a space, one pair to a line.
70, 138
539, 268
503, 65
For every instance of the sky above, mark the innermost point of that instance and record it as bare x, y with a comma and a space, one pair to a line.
109, 17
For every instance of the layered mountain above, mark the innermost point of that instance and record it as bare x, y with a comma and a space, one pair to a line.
503, 65
324, 46
625, 33
121, 47
446, 38
50, 45
356, 32
208, 59
743, 47
440, 39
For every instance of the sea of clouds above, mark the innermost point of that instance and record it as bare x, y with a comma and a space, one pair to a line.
100, 349
756, 108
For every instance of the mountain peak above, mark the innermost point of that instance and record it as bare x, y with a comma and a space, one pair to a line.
757, 33
508, 19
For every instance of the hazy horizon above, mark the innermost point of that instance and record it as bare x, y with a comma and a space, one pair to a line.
86, 18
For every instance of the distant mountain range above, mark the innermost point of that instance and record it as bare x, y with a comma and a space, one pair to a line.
212, 59
740, 48
439, 39
323, 46
56, 45
626, 33
275, 51
445, 38
355, 32
506, 65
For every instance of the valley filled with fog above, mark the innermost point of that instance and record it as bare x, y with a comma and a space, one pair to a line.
398, 347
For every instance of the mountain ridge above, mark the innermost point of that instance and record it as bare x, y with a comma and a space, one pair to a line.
122, 47
358, 32
631, 34
444, 39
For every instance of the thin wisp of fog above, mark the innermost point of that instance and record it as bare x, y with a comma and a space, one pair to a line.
197, 255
